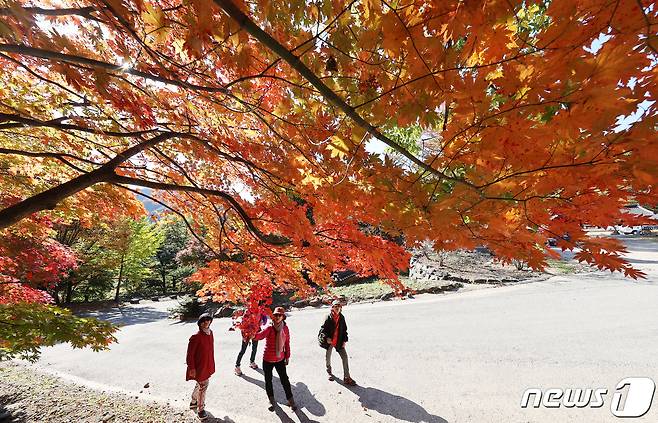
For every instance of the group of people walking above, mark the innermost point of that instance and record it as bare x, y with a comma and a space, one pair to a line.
201, 361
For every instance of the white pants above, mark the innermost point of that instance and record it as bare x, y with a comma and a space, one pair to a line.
199, 394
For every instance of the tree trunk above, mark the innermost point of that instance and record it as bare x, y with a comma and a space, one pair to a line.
69, 291
164, 279
86, 294
116, 295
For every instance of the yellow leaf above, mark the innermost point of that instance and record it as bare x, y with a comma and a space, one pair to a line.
309, 179
475, 59
522, 92
525, 72
511, 24
494, 74
338, 147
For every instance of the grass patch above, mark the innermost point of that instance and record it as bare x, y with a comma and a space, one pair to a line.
361, 291
376, 288
563, 267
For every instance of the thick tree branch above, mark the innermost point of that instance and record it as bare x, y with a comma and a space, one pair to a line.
79, 60
271, 239
254, 30
49, 199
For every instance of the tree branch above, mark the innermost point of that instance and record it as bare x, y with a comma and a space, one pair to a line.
58, 156
271, 239
250, 26
79, 11
20, 121
49, 199
79, 60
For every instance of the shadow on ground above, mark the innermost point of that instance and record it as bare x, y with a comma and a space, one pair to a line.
213, 419
303, 397
9, 409
126, 316
392, 405
640, 261
640, 244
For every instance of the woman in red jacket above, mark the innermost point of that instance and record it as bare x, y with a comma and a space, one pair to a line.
276, 355
201, 363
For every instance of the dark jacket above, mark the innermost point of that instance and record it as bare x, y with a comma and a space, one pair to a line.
329, 326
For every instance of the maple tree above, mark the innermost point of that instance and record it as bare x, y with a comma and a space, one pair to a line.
35, 257
30, 264
255, 123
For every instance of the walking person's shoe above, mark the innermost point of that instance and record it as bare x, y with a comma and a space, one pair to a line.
193, 405
331, 377
349, 381
238, 372
272, 403
253, 365
291, 404
203, 415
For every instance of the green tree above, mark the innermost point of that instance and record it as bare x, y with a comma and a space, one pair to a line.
95, 275
132, 251
175, 240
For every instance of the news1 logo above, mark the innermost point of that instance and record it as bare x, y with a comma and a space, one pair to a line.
636, 402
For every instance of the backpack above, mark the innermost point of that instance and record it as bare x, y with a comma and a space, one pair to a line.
322, 339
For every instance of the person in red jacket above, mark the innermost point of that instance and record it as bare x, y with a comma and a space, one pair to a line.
250, 323
276, 356
201, 363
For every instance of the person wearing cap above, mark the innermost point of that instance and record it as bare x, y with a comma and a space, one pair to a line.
201, 363
276, 355
335, 330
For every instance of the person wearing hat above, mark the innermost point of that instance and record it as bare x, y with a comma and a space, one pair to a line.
335, 330
201, 363
276, 355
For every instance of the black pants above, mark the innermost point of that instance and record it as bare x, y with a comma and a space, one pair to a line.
283, 376
243, 349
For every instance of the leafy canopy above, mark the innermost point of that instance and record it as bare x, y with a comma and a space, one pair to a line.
257, 119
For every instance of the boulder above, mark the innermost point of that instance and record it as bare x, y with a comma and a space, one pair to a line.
300, 303
315, 302
387, 296
225, 311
